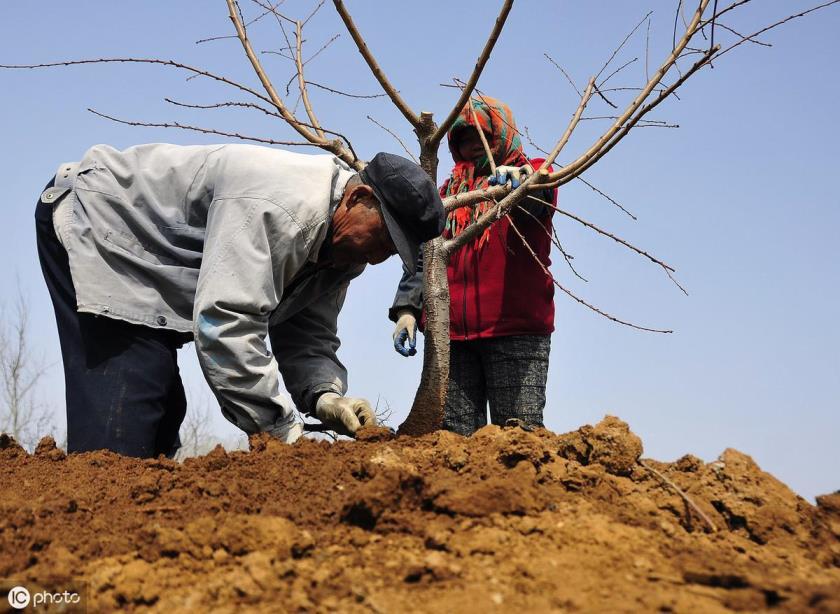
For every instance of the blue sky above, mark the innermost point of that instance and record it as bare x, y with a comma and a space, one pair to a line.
740, 199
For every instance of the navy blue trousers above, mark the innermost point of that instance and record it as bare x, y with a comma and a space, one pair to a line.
123, 388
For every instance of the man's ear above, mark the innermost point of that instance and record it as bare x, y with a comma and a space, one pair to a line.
358, 193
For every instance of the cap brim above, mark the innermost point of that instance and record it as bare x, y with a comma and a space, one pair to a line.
406, 248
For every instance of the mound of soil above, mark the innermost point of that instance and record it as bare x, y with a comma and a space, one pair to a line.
508, 519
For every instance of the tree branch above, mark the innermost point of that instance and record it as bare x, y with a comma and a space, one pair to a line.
251, 105
446, 124
594, 154
609, 198
340, 93
587, 94
196, 71
577, 298
389, 89
394, 134
334, 146
301, 81
621, 124
552, 235
565, 74
774, 25
668, 269
235, 135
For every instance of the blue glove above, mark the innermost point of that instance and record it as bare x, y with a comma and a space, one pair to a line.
514, 174
406, 328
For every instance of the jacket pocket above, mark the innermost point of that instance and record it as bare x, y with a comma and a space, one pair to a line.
93, 177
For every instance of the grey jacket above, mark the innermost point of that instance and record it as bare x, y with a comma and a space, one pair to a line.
220, 243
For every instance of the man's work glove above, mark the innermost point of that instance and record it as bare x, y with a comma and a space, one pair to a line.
406, 328
344, 415
514, 174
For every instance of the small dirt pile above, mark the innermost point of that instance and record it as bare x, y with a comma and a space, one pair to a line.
506, 520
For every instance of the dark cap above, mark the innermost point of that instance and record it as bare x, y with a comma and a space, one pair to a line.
410, 203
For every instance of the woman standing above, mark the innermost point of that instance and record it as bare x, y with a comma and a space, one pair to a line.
501, 300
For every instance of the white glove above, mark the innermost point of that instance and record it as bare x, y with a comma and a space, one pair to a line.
344, 415
514, 174
288, 432
406, 328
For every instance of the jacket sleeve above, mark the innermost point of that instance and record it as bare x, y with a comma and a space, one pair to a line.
536, 207
409, 292
305, 346
532, 205
252, 247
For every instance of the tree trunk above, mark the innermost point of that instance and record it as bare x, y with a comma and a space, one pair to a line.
426, 413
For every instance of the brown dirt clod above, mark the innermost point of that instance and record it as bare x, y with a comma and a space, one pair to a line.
508, 519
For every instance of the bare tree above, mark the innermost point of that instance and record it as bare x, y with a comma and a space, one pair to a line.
196, 432
21, 414
703, 39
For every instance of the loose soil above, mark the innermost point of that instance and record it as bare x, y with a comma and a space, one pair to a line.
505, 520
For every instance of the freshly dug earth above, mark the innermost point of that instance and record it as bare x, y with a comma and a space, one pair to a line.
505, 520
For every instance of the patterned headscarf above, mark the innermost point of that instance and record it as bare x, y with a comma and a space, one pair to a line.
496, 120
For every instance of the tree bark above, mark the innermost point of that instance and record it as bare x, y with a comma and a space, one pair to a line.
426, 413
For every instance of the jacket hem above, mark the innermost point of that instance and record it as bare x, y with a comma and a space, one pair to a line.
490, 334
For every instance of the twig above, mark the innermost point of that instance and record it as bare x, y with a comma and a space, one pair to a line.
552, 235
645, 123
613, 201
620, 128
235, 135
681, 493
714, 23
774, 25
624, 42
324, 46
565, 74
676, 21
481, 136
484, 143
531, 183
716, 15
647, 51
668, 269
312, 14
393, 134
268, 10
335, 146
533, 144
738, 34
587, 94
196, 71
604, 98
577, 298
623, 126
214, 38
251, 105
280, 53
301, 82
617, 70
335, 91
